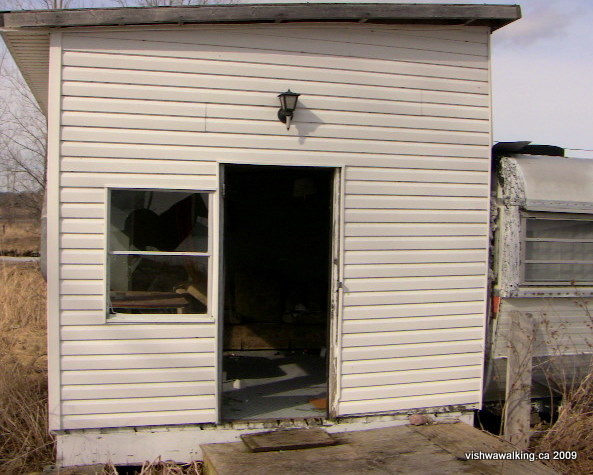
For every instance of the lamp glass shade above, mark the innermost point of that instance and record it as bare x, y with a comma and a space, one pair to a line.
288, 101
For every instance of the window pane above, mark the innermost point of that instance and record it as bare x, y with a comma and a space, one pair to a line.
559, 273
158, 221
559, 228
570, 255
559, 251
158, 284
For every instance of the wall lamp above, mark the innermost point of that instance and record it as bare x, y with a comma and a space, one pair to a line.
288, 102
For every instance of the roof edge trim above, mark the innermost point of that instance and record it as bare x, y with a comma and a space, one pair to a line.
494, 16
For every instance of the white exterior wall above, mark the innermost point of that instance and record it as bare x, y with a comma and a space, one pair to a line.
405, 110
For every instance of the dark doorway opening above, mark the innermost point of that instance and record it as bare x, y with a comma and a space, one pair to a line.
276, 247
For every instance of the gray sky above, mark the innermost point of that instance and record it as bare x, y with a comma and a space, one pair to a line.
542, 73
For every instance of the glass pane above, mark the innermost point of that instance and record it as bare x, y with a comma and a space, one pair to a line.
158, 284
576, 273
559, 251
158, 221
559, 228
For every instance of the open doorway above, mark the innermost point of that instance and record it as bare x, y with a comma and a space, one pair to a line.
277, 246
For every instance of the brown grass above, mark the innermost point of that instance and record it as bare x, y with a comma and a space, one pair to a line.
158, 467
20, 238
573, 431
25, 444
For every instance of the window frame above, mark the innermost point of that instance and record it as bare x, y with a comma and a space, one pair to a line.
548, 288
207, 317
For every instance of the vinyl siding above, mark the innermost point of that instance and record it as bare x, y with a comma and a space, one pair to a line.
404, 109
136, 369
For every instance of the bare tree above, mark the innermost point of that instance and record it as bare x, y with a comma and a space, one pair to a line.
41, 4
23, 126
23, 136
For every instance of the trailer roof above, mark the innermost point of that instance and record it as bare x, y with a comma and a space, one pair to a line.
553, 183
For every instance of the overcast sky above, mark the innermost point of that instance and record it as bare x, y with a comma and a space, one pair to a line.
543, 75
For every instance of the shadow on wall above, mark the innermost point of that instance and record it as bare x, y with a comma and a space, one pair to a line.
305, 121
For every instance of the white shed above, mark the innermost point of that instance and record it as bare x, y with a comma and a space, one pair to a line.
211, 270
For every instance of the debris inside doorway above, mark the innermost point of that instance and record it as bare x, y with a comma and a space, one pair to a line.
273, 385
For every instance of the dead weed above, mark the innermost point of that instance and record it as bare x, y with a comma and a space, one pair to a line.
573, 431
25, 443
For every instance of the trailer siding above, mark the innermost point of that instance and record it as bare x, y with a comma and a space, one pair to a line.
562, 325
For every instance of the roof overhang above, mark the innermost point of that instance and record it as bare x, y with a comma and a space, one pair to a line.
26, 33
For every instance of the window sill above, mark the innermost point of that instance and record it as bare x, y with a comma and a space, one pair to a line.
551, 291
159, 318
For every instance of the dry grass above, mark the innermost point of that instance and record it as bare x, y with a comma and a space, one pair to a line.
20, 238
158, 467
573, 431
22, 298
25, 444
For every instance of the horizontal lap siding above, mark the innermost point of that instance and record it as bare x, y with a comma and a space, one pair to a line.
138, 371
416, 240
404, 109
415, 274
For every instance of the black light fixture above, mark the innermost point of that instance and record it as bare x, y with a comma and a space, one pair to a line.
288, 102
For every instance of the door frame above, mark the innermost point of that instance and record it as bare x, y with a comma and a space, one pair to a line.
335, 286
336, 290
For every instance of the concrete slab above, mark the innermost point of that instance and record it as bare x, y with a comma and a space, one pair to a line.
433, 449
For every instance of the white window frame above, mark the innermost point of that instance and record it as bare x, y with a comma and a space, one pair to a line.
548, 288
207, 317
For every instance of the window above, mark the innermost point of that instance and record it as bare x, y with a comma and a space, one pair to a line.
158, 252
558, 251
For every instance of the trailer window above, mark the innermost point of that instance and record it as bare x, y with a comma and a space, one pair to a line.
158, 252
558, 251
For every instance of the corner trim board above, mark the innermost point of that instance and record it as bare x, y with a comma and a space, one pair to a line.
53, 231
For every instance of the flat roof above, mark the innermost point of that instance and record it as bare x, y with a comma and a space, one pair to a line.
494, 16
